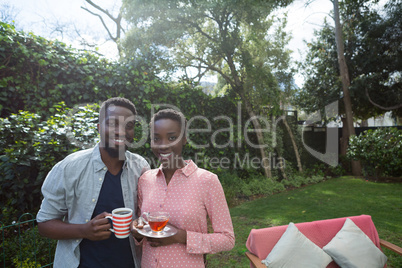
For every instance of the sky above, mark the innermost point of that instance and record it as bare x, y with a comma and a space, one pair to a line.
302, 21
39, 16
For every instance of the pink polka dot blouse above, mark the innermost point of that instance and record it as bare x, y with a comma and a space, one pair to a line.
193, 194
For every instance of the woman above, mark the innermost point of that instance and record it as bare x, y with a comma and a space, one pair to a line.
188, 193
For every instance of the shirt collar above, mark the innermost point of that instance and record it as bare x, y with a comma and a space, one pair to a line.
97, 159
187, 170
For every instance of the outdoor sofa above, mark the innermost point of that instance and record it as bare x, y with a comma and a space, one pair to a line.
295, 249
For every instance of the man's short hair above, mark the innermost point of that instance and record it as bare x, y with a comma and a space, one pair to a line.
169, 114
116, 101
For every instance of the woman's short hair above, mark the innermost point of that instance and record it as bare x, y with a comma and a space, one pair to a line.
169, 114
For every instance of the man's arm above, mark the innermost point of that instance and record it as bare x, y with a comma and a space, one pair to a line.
95, 229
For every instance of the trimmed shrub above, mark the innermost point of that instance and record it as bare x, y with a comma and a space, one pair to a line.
379, 151
30, 148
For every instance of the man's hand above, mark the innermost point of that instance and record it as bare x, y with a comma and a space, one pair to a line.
98, 228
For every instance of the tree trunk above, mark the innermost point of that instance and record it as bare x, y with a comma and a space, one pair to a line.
356, 168
345, 138
260, 138
237, 86
281, 164
292, 138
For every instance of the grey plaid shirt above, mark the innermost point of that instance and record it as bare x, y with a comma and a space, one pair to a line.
71, 191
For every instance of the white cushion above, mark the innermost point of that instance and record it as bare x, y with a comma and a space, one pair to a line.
294, 249
351, 247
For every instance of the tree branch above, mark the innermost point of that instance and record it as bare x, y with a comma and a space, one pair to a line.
100, 9
382, 107
208, 66
204, 33
103, 23
197, 27
117, 21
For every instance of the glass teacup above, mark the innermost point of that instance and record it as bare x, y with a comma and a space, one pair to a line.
157, 220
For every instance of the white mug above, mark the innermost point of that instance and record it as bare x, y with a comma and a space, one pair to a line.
121, 219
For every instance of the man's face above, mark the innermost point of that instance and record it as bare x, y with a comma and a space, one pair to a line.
116, 130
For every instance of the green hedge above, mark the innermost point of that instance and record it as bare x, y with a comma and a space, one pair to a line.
37, 73
379, 151
30, 148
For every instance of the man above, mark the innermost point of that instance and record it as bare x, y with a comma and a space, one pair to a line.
81, 190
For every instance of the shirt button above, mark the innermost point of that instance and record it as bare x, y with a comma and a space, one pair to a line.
104, 168
77, 240
161, 205
93, 200
100, 179
87, 220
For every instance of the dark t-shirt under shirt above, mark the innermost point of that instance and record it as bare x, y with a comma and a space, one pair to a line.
112, 252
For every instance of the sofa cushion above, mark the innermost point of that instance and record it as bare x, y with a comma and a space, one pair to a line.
295, 250
261, 241
351, 247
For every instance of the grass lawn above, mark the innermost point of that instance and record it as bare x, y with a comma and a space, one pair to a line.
335, 198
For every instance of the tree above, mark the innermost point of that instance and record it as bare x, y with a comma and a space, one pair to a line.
373, 56
117, 20
343, 68
234, 39
8, 13
381, 72
67, 30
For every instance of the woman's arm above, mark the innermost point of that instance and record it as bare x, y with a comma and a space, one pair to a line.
222, 239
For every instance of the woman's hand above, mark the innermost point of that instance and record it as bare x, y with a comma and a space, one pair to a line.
136, 224
179, 238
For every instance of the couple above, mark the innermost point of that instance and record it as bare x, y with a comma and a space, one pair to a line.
81, 190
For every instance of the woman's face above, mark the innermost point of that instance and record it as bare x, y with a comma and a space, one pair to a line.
167, 141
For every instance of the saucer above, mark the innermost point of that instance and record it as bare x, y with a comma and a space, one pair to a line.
167, 231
